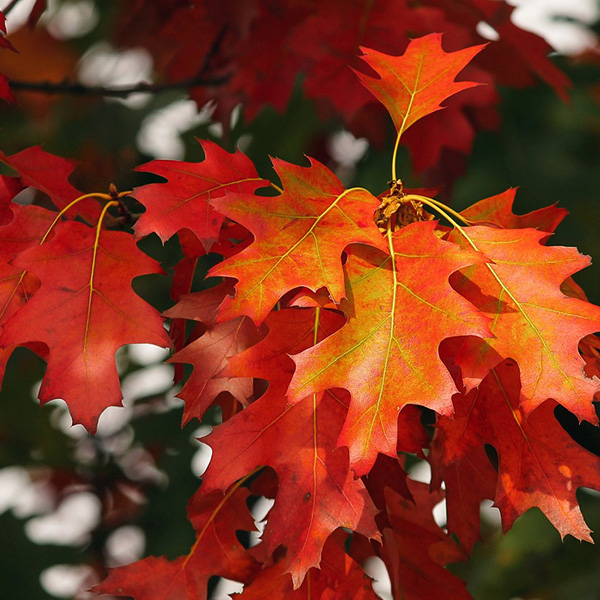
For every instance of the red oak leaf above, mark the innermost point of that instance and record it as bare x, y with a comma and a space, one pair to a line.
291, 330
202, 306
182, 202
209, 355
317, 491
299, 238
50, 174
211, 351
84, 311
9, 188
378, 355
517, 54
215, 518
533, 321
498, 211
233, 238
539, 463
26, 228
387, 472
338, 578
5, 91
468, 483
416, 549
415, 84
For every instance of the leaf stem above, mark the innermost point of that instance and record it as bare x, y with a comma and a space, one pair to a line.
74, 202
93, 269
441, 206
395, 156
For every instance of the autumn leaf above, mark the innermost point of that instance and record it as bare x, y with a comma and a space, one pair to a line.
379, 356
468, 483
26, 227
497, 210
299, 238
539, 463
5, 44
209, 355
291, 330
84, 311
416, 549
216, 551
533, 321
9, 188
50, 174
338, 578
183, 201
317, 491
415, 84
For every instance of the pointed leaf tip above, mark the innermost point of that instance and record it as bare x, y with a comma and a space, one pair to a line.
413, 85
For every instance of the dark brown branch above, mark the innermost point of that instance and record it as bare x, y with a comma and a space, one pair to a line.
7, 10
79, 89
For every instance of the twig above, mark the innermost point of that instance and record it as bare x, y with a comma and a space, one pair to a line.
79, 89
10, 7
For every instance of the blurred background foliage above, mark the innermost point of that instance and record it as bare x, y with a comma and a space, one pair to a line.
133, 480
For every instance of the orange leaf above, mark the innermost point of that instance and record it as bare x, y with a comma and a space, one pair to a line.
416, 549
413, 85
399, 310
317, 491
533, 321
539, 463
215, 518
338, 578
299, 238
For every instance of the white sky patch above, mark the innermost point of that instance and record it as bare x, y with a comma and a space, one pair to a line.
260, 510
146, 354
346, 149
61, 419
125, 545
105, 66
202, 456
225, 587
490, 514
64, 581
421, 471
145, 382
547, 18
160, 133
485, 30
70, 524
71, 19
14, 483
439, 514
18, 15
375, 568
138, 465
151, 380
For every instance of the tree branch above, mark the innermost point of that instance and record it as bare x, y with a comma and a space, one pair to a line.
7, 10
79, 89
